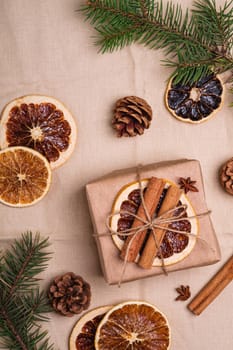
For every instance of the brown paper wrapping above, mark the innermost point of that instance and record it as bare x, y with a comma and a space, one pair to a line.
101, 194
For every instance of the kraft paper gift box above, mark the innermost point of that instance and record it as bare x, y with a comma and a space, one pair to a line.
101, 194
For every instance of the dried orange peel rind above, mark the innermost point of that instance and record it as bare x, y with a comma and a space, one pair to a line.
135, 325
42, 123
25, 176
123, 195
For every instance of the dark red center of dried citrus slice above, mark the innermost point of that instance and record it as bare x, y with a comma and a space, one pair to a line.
86, 338
172, 242
39, 126
195, 101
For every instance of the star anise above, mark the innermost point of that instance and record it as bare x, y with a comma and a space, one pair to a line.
187, 184
184, 293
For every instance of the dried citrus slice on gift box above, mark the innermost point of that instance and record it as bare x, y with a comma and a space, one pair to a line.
197, 102
83, 334
25, 176
175, 246
133, 325
42, 123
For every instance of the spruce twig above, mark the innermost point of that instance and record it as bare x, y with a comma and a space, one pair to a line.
144, 8
196, 42
22, 305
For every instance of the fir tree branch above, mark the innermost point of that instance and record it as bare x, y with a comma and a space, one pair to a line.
11, 327
200, 40
217, 23
105, 14
22, 305
185, 73
123, 38
164, 28
34, 307
23, 262
144, 8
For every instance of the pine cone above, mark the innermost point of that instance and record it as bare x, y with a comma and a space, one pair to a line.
226, 176
69, 294
131, 116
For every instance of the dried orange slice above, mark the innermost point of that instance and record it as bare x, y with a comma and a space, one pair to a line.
175, 246
41, 123
83, 334
133, 325
25, 176
195, 103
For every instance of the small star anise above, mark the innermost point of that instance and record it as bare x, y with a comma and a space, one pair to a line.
184, 293
187, 185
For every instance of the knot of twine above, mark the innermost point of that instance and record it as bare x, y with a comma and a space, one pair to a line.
159, 222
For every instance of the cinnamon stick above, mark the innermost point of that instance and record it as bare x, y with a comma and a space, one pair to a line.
151, 248
151, 198
213, 288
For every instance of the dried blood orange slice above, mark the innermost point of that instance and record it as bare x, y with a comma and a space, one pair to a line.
25, 176
133, 325
175, 246
82, 336
197, 102
41, 123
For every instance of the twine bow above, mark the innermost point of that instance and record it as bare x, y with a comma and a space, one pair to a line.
160, 222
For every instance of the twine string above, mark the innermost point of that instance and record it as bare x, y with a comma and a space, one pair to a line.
160, 222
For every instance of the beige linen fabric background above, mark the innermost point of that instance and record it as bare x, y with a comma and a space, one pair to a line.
46, 48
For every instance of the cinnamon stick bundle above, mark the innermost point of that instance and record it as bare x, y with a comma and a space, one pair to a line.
151, 248
213, 288
151, 198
